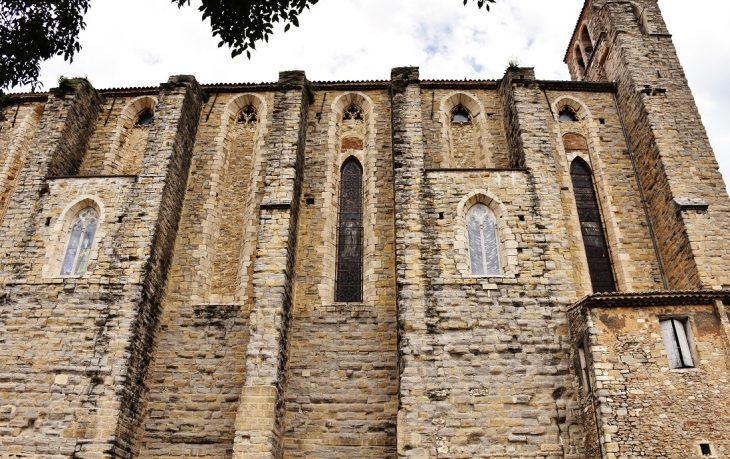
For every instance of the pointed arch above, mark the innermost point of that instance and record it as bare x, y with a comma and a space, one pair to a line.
348, 283
600, 266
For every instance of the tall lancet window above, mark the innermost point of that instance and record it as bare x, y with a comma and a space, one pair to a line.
483, 247
599, 261
349, 238
78, 249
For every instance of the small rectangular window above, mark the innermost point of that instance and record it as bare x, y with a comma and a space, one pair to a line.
675, 333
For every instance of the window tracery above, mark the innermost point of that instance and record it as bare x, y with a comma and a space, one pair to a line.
460, 115
81, 237
483, 245
353, 112
248, 115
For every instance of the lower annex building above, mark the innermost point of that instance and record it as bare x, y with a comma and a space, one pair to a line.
407, 268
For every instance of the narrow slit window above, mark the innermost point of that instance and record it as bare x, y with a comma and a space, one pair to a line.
591, 227
349, 238
675, 334
483, 246
78, 248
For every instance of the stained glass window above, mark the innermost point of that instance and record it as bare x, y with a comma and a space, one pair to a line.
349, 238
594, 241
483, 246
79, 244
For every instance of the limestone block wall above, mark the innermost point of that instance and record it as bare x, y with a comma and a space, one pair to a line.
81, 382
626, 227
342, 393
18, 126
632, 390
678, 171
200, 360
484, 145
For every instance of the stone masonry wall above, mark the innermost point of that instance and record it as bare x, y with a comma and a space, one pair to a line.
200, 363
17, 129
342, 395
645, 408
678, 170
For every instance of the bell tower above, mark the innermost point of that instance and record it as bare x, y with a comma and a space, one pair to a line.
627, 42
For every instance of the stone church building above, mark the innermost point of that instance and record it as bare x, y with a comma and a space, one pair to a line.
404, 268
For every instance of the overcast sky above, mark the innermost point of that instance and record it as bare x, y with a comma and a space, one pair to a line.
141, 42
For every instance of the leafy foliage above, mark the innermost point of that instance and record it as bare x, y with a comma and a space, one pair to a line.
242, 23
33, 31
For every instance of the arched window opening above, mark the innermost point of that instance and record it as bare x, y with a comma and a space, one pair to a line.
585, 39
81, 237
567, 115
594, 240
145, 118
483, 246
460, 115
640, 18
579, 57
349, 237
248, 115
353, 112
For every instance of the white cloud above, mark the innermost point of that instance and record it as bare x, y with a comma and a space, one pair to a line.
142, 42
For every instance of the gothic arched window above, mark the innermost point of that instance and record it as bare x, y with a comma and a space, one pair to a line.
483, 245
145, 118
349, 234
460, 115
248, 115
568, 115
78, 248
594, 241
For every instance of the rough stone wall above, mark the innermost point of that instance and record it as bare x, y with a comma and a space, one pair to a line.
259, 422
16, 134
645, 408
234, 219
200, 362
485, 360
342, 396
623, 216
678, 170
438, 147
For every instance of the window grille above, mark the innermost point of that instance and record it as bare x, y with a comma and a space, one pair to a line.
349, 238
78, 249
594, 241
674, 332
483, 246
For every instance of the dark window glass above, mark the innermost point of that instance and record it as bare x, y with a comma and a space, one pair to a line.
349, 234
460, 115
599, 261
567, 114
145, 118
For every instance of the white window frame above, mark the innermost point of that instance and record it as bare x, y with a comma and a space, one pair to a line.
677, 336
